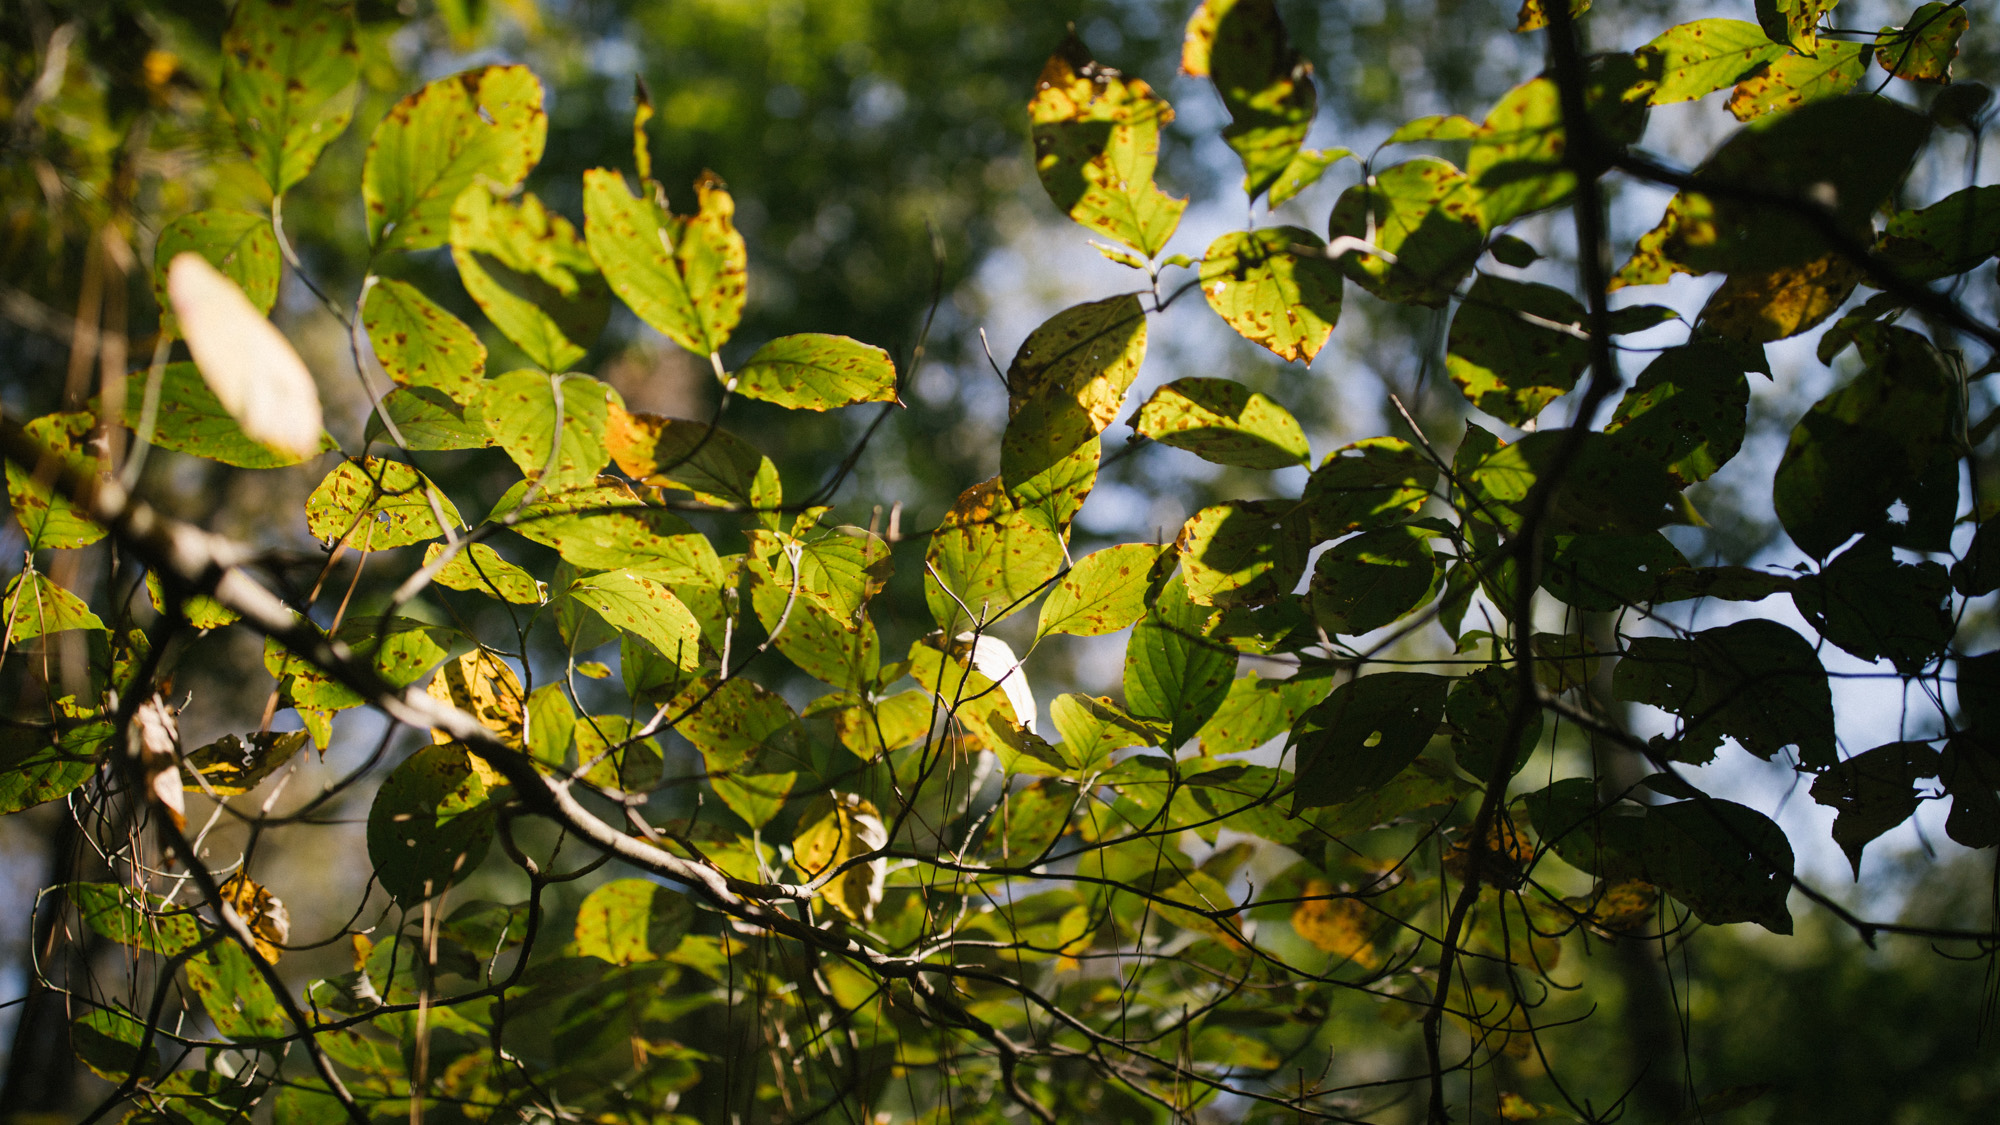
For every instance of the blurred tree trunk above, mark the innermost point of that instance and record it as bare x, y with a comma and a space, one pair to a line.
41, 1079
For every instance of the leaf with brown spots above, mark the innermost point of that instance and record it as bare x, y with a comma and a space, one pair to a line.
270, 924
49, 520
1265, 84
835, 830
376, 504
531, 274
1244, 552
484, 686
1371, 483
734, 723
288, 80
1089, 352
682, 274
1696, 59
990, 555
1287, 300
607, 527
231, 766
715, 465
36, 607
1761, 307
644, 608
841, 650
1342, 926
521, 410
1515, 347
1097, 140
238, 243
1257, 710
482, 124
1533, 14
1922, 49
419, 344
1103, 593
1794, 79
1223, 421
1422, 211
816, 371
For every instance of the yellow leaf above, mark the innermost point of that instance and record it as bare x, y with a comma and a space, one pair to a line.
1339, 926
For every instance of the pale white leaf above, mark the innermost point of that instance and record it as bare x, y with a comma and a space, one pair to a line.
247, 362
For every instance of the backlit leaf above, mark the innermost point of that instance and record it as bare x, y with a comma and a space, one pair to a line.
1245, 552
1759, 307
1515, 347
1306, 168
1265, 84
834, 830
1922, 49
190, 419
481, 124
734, 722
715, 465
1422, 211
1371, 483
607, 527
247, 363
419, 344
47, 519
522, 410
376, 504
1481, 709
1223, 421
1687, 409
233, 765
1089, 353
1727, 862
36, 607
1258, 710
1175, 674
627, 921
1755, 681
682, 274
1696, 59
1950, 236
429, 420
644, 608
287, 79
1286, 300
815, 371
1361, 736
531, 274
989, 556
1794, 79
237, 243
1104, 592
1097, 139
430, 824
480, 569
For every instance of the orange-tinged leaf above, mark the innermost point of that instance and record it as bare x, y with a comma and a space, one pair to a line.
1762, 307
1793, 80
1340, 926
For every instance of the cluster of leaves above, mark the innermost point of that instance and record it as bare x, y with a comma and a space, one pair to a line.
1150, 901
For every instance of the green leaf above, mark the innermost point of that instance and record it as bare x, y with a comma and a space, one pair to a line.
1602, 839
1372, 579
607, 527
1176, 675
108, 1042
1794, 80
531, 274
481, 124
1604, 573
375, 504
1509, 250
430, 420
684, 275
1727, 862
36, 607
191, 420
238, 243
1097, 139
1755, 681
1375, 482
134, 918
716, 466
419, 344
288, 77
1093, 728
1043, 466
815, 371
1032, 818
1286, 300
1265, 84
1874, 606
430, 824
1687, 409
1223, 421
990, 556
736, 720
401, 650
237, 998
1245, 552
1518, 162
480, 569
1696, 59
1359, 738
1479, 709
551, 724
1949, 237
627, 921
1305, 169
1873, 792
1088, 354
1104, 592
522, 410
1922, 49
842, 650
644, 608
1608, 485
1728, 583
1861, 447
754, 797
1422, 211
48, 520
1257, 710
1515, 347
1794, 23
611, 758
35, 767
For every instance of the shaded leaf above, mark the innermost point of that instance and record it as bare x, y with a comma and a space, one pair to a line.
1176, 675
1758, 307
1481, 709
1687, 409
1245, 552
834, 830
1755, 681
1874, 606
1515, 347
430, 824
1365, 582
1949, 237
1360, 737
1422, 211
1372, 483
1265, 84
1873, 792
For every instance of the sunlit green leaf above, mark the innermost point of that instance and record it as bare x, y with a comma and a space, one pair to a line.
1426, 214
1696, 59
717, 466
1923, 48
1286, 299
480, 568
644, 608
1104, 592
531, 274
419, 344
815, 371
631, 920
607, 527
47, 519
36, 607
1245, 552
375, 504
481, 124
1515, 347
1258, 710
1225, 422
522, 410
1265, 84
1306, 167
287, 79
682, 274
989, 557
1097, 140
